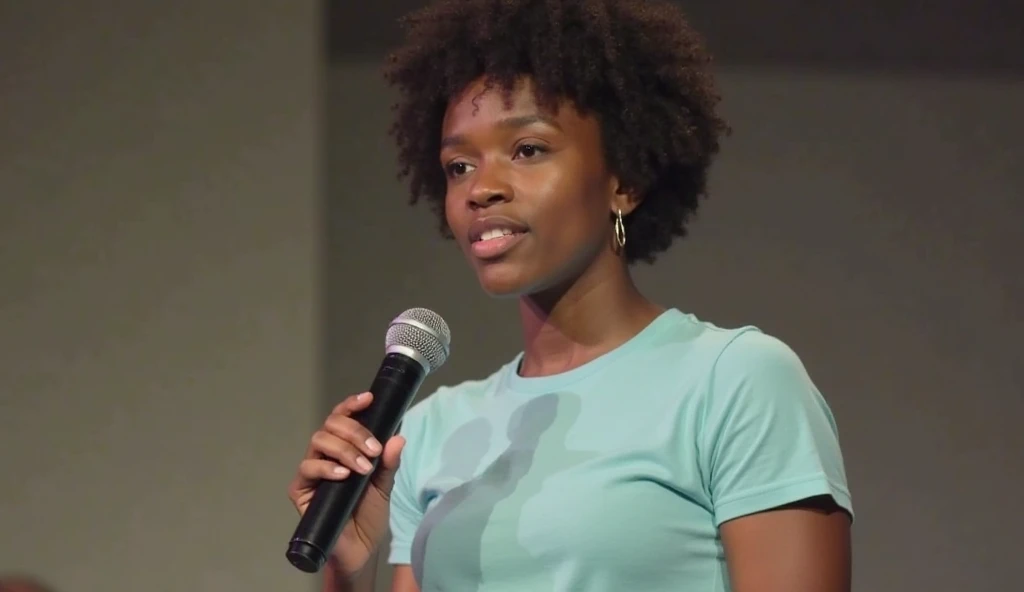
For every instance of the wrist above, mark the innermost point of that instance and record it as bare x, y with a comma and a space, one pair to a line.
335, 578
339, 578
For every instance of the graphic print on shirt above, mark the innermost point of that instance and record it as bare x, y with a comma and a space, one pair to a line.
454, 531
460, 458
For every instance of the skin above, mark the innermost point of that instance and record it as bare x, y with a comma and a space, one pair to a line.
576, 301
547, 170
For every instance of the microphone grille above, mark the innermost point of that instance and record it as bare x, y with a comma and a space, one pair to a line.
422, 331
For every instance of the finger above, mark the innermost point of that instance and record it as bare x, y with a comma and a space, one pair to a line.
392, 455
314, 469
384, 478
341, 451
354, 433
353, 403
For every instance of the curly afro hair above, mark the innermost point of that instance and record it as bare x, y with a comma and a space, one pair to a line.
637, 66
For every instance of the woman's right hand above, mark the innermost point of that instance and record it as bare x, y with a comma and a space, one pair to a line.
338, 449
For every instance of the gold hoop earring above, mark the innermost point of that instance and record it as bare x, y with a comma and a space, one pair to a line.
620, 230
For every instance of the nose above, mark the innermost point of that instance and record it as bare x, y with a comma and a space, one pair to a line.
490, 187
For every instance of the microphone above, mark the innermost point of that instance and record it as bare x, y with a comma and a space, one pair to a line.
416, 344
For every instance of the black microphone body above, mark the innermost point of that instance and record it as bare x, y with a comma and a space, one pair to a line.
394, 387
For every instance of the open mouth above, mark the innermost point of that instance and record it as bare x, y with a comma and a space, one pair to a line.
496, 233
496, 242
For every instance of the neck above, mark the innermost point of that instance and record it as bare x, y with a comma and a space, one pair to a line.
568, 327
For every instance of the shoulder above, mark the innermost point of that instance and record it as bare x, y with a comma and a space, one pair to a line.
703, 346
752, 352
766, 434
758, 378
744, 365
731, 354
762, 371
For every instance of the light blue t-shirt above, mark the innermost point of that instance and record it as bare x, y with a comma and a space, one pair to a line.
613, 476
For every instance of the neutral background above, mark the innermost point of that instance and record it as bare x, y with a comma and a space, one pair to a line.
173, 279
159, 305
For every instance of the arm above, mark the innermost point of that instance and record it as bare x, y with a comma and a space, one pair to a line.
800, 547
364, 582
403, 580
775, 472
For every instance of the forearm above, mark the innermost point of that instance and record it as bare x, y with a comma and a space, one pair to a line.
334, 581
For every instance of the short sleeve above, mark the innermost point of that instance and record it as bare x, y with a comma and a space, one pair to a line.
405, 511
768, 438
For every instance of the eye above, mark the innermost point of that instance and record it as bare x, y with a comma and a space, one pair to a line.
529, 150
457, 169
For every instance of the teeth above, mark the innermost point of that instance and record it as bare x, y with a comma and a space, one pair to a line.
495, 233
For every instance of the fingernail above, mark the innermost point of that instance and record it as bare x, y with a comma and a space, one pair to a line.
373, 445
364, 396
364, 464
341, 471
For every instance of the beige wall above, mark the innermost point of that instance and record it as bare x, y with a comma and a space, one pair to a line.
873, 222
158, 301
159, 307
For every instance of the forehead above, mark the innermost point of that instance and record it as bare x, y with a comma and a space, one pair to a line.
481, 106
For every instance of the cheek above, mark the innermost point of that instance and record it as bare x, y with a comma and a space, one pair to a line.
575, 222
457, 223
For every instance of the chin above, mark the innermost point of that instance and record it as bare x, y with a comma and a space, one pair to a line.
502, 280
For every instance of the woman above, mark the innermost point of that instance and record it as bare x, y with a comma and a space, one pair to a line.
629, 446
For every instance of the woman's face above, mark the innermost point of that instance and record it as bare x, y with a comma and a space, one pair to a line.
529, 196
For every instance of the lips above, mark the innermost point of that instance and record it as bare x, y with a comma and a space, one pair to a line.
493, 236
491, 227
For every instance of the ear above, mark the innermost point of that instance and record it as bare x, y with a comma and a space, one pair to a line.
622, 198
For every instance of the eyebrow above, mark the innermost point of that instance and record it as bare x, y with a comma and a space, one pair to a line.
517, 122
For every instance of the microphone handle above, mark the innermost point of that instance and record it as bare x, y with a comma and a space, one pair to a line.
394, 387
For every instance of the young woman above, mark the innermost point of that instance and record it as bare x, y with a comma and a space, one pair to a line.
629, 446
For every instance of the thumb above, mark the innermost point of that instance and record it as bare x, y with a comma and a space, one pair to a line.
384, 476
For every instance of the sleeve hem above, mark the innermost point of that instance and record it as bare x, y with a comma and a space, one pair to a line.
773, 496
400, 555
